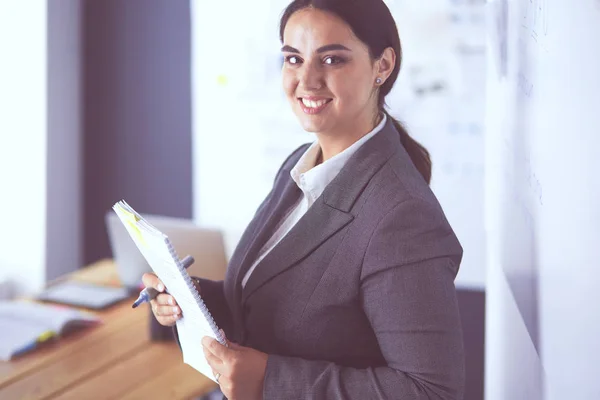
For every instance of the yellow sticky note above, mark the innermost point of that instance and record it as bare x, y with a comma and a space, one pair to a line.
137, 231
132, 220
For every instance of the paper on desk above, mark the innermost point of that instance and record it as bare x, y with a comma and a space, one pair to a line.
17, 336
25, 324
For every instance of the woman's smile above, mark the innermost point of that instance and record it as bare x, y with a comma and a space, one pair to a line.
313, 105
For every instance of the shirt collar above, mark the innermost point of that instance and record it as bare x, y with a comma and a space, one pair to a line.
313, 180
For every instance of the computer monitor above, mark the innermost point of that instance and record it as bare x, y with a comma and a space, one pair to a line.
204, 244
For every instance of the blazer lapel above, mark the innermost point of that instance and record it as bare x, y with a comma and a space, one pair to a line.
273, 213
329, 213
316, 226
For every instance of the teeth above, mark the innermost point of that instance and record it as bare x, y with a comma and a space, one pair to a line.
314, 104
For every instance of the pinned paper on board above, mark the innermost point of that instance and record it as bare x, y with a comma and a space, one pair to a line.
222, 80
499, 36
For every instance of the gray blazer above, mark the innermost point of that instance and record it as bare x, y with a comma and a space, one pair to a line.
358, 300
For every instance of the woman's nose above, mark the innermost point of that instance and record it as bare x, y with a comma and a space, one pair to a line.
311, 77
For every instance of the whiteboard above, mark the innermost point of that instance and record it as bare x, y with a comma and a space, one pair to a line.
542, 196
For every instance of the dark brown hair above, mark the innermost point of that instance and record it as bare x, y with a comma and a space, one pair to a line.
373, 24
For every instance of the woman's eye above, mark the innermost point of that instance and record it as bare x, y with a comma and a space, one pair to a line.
292, 60
332, 60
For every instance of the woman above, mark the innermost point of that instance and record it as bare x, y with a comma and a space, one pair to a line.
342, 285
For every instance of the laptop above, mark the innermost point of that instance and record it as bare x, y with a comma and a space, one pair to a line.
206, 245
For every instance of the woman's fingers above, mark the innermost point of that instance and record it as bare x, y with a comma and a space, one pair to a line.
168, 321
151, 280
165, 315
165, 300
215, 362
166, 311
164, 307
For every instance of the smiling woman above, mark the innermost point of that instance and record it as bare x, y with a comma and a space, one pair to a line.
350, 57
342, 286
328, 78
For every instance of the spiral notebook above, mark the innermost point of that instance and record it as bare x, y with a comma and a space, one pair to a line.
196, 321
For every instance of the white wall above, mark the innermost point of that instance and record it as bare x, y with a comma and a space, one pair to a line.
243, 128
39, 141
23, 142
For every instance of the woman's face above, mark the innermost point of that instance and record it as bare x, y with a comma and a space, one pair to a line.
328, 74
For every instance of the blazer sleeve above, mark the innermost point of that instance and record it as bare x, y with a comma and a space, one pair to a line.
409, 298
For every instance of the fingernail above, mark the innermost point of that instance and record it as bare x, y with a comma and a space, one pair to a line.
176, 316
161, 287
175, 310
171, 301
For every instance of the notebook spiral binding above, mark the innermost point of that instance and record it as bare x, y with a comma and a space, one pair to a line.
197, 297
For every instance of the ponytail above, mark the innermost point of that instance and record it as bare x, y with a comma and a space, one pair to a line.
418, 154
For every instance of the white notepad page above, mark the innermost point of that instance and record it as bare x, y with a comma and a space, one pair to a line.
196, 321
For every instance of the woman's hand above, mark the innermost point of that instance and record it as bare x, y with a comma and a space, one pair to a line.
241, 370
164, 306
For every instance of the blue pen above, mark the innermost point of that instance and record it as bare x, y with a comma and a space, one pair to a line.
150, 293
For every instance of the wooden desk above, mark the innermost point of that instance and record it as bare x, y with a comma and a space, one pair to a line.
115, 360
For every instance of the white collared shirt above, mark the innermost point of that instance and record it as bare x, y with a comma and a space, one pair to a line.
312, 181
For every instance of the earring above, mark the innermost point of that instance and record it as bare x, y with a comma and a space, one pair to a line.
378, 81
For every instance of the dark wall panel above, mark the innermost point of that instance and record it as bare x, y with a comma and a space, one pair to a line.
137, 112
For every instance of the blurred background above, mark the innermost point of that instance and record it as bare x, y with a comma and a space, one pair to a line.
177, 107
